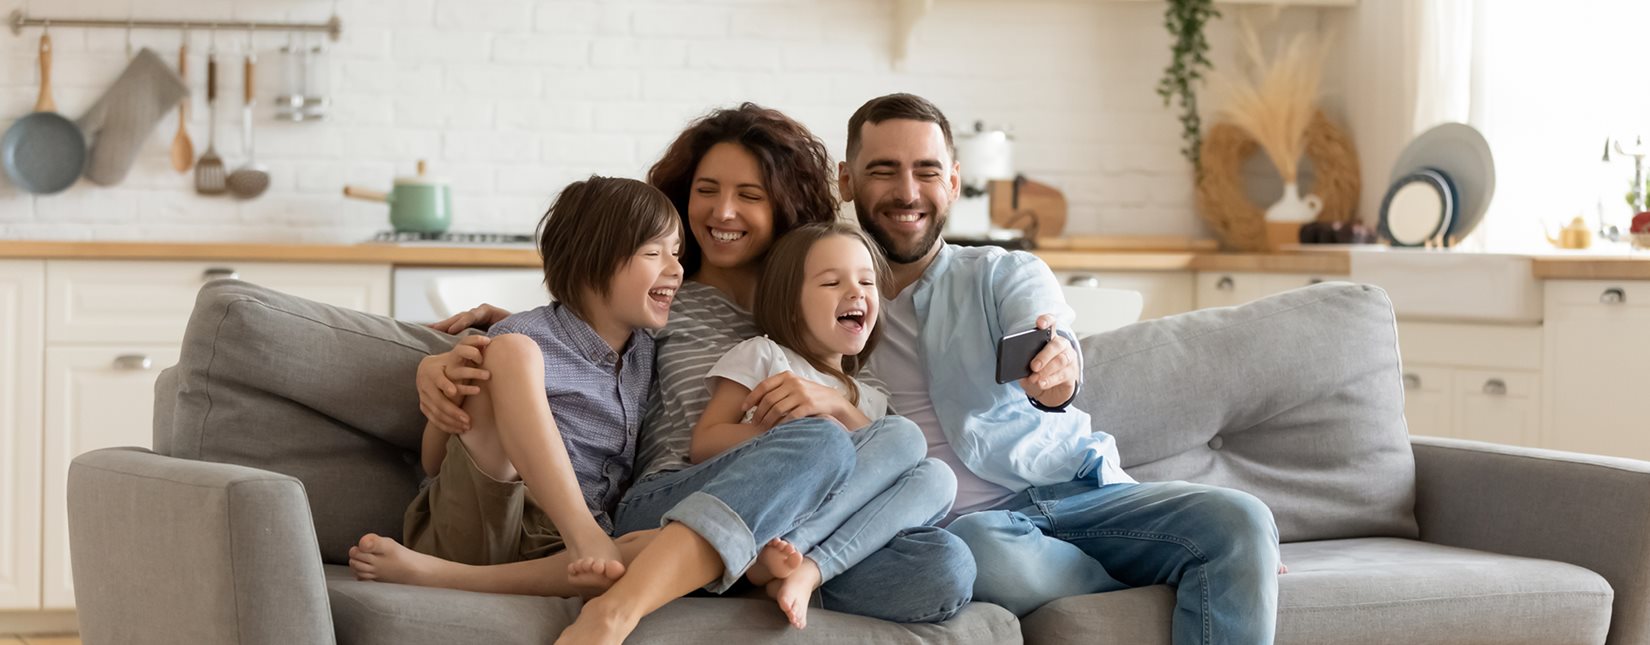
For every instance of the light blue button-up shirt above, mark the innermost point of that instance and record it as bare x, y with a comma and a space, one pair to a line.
968, 299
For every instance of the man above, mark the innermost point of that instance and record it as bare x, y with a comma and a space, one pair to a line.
1043, 500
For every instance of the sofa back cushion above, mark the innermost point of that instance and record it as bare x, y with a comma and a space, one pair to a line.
1297, 399
318, 392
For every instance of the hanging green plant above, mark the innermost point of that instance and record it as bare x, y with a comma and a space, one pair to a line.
1185, 20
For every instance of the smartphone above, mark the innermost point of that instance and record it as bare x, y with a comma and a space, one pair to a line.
1015, 351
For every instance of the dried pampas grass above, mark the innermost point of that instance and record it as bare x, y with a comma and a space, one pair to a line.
1276, 103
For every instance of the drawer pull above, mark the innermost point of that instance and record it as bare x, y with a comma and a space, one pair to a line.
1225, 283
1613, 296
1083, 281
1495, 387
1315, 281
133, 362
220, 273
1412, 381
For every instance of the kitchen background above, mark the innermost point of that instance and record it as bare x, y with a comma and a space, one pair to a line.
511, 99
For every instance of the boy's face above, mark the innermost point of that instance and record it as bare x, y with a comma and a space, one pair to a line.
641, 291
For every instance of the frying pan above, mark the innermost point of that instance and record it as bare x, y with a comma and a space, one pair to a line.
43, 152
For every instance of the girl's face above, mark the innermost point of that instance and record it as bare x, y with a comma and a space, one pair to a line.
640, 293
839, 297
728, 208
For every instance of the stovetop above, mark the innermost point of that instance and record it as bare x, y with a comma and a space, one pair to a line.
455, 237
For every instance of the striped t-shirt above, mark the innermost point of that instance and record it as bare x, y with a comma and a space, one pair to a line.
704, 324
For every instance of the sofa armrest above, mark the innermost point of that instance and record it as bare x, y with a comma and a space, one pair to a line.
1586, 510
169, 550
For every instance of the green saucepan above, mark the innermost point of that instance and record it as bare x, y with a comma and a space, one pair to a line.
420, 204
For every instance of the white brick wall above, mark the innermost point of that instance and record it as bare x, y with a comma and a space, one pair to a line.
511, 99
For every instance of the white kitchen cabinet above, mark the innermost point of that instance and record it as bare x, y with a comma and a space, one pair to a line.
1428, 405
1597, 367
1232, 288
98, 302
96, 397
1472, 381
22, 284
1165, 292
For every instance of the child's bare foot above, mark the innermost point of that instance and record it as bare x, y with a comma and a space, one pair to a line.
592, 576
1282, 568
794, 591
598, 624
377, 557
778, 559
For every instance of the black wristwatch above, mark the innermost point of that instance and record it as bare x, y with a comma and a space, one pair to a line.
1062, 407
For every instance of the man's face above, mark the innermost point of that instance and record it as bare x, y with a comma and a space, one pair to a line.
902, 181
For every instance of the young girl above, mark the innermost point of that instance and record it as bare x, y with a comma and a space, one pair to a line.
816, 302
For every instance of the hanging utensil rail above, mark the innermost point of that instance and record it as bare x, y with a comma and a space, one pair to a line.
333, 28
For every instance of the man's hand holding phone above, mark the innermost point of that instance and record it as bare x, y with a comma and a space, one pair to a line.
1053, 369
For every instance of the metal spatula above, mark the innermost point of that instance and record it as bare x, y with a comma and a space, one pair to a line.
209, 172
252, 178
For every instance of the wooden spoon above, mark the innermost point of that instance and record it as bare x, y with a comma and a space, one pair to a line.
183, 150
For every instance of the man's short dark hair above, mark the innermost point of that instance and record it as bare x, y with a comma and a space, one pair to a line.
896, 106
592, 230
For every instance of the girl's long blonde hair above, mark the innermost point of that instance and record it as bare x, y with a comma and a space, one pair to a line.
778, 304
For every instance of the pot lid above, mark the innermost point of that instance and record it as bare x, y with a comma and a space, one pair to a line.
422, 178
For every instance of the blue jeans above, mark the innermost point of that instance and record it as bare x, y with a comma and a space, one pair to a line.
1217, 546
891, 489
767, 487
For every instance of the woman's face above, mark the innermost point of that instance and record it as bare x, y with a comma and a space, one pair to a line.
728, 208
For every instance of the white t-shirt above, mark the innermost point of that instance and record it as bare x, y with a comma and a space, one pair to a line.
898, 362
754, 360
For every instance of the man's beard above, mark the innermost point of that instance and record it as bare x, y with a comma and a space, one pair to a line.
867, 221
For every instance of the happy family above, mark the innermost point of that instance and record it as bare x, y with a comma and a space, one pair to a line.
710, 401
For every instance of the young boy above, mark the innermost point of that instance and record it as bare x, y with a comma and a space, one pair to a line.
552, 437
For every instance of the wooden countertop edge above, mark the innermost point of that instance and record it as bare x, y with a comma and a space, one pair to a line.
1322, 263
340, 253
1582, 268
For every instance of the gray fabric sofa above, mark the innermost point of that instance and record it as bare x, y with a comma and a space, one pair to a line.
288, 429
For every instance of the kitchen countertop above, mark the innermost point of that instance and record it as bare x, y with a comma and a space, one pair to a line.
1102, 258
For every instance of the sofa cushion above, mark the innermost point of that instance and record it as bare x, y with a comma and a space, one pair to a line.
1377, 591
321, 393
1296, 398
377, 612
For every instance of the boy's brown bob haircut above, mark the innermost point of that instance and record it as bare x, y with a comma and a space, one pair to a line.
592, 230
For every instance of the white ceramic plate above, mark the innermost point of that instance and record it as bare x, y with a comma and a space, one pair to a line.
1460, 152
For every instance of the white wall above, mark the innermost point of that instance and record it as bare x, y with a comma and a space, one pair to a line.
511, 99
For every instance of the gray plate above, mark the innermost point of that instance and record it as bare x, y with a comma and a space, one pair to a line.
1463, 155
43, 153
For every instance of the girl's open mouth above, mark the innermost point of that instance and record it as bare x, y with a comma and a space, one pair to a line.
853, 320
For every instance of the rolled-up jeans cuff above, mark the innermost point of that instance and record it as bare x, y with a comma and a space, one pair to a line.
726, 532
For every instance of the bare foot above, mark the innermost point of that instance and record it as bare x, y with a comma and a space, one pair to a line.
380, 558
592, 576
777, 560
794, 591
598, 624
1282, 568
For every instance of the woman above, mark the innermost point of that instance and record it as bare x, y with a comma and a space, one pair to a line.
740, 178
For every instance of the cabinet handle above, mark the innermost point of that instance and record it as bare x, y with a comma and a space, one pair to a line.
1225, 283
1613, 296
1315, 281
220, 273
133, 362
1495, 387
1083, 281
1412, 381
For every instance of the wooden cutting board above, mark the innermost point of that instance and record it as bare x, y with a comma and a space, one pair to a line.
1041, 200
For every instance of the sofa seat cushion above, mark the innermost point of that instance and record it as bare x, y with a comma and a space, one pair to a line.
377, 612
1373, 590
